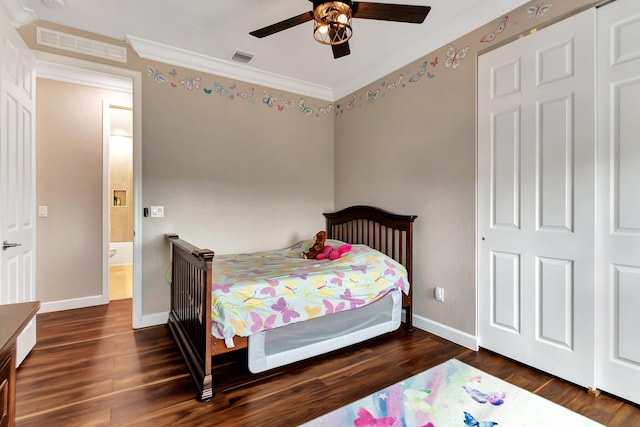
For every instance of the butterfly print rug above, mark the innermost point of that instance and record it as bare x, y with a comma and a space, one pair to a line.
449, 395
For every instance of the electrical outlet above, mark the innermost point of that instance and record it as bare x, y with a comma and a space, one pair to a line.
438, 293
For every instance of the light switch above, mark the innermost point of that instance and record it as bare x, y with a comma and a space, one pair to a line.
157, 211
43, 211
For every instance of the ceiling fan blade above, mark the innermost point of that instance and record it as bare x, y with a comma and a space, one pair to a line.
340, 50
390, 12
283, 25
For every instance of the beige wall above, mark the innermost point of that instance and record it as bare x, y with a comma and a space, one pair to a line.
235, 177
232, 174
69, 181
422, 135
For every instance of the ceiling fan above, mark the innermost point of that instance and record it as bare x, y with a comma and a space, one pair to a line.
332, 20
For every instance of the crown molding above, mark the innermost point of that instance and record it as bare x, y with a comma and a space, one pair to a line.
171, 55
56, 71
18, 14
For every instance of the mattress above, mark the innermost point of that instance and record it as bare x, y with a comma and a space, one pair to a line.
299, 341
266, 290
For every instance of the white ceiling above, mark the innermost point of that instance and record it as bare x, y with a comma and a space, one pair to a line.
211, 30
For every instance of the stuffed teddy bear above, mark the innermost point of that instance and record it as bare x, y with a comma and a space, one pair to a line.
318, 245
333, 254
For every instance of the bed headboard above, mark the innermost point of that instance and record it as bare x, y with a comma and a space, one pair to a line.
389, 233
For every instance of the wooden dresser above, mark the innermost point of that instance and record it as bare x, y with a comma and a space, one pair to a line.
13, 319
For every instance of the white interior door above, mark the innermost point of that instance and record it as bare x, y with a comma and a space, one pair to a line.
17, 176
618, 232
536, 208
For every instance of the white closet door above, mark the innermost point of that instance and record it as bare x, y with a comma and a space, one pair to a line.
536, 156
618, 232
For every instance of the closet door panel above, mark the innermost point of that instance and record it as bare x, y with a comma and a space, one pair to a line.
554, 165
536, 210
626, 154
618, 228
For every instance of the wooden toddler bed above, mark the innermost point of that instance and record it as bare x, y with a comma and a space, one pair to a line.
192, 286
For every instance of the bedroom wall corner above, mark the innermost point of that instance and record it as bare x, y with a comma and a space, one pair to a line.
418, 125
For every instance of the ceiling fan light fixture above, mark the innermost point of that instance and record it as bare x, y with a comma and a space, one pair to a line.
332, 21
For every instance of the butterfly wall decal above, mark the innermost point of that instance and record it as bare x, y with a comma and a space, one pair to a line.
191, 83
352, 103
218, 87
269, 100
538, 10
420, 73
304, 109
455, 56
372, 95
246, 94
499, 29
156, 75
395, 84
327, 109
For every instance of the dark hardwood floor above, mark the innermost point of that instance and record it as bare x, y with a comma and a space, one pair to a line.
89, 368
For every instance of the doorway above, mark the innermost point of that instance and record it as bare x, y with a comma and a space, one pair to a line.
66, 69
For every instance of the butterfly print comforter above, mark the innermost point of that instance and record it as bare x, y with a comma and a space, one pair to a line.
258, 291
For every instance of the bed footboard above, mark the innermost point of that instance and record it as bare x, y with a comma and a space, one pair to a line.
190, 315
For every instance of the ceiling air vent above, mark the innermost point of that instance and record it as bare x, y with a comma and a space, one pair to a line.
51, 38
242, 57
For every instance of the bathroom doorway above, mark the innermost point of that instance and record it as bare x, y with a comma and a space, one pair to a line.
118, 123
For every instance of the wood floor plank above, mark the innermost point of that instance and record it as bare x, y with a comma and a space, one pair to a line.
89, 368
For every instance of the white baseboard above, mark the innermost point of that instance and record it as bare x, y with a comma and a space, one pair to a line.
70, 304
145, 321
461, 338
153, 319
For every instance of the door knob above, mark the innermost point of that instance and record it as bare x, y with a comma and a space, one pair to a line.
6, 245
